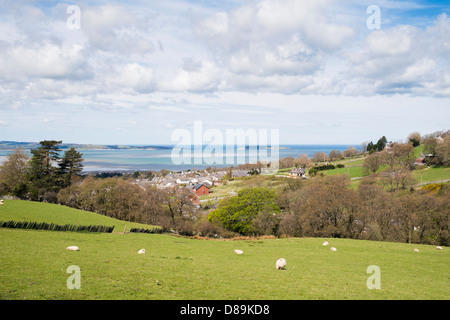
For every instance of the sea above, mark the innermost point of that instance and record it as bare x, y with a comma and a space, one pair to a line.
179, 158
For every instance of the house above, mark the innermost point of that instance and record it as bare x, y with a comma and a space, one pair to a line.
195, 199
239, 173
200, 189
207, 183
297, 172
419, 162
180, 182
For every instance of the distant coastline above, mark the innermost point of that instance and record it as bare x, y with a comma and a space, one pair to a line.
130, 158
12, 145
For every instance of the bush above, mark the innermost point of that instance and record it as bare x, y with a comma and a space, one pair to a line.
323, 168
313, 171
433, 187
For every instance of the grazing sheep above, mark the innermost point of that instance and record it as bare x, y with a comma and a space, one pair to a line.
73, 248
439, 248
333, 249
281, 264
238, 251
142, 251
416, 250
325, 243
2, 202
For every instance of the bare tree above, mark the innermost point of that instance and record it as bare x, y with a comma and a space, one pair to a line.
334, 155
319, 157
350, 152
14, 171
372, 163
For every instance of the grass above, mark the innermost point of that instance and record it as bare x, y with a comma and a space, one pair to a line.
33, 265
21, 210
353, 172
432, 174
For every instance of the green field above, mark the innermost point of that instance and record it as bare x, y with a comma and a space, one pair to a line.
33, 265
21, 210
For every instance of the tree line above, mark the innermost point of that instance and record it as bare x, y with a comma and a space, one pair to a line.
384, 207
40, 177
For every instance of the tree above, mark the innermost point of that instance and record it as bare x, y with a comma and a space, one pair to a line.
238, 213
443, 152
328, 208
350, 152
302, 161
371, 147
414, 138
319, 157
381, 144
397, 178
372, 163
41, 161
334, 155
179, 202
13, 173
42, 172
400, 154
363, 147
71, 164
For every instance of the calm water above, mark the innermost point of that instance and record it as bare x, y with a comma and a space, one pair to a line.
161, 158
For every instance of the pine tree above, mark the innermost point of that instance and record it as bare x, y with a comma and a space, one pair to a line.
70, 164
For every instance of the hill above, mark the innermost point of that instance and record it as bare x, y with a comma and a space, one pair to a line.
34, 265
21, 210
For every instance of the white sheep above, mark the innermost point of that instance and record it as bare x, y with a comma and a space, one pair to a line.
281, 264
416, 250
333, 249
142, 251
439, 248
238, 251
325, 243
2, 202
73, 248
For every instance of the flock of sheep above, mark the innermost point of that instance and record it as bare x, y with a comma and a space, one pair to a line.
280, 263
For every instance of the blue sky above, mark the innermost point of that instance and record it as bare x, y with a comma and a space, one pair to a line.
136, 71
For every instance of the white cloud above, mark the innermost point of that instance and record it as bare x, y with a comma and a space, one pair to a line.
45, 60
203, 78
136, 77
173, 60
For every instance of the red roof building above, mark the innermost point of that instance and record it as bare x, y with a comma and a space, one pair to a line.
200, 189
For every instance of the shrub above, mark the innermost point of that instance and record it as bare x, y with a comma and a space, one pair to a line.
433, 187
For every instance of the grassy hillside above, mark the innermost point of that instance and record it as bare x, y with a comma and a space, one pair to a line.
21, 210
33, 265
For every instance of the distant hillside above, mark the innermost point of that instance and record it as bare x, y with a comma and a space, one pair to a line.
11, 145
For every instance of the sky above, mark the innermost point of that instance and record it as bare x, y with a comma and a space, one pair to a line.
134, 72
